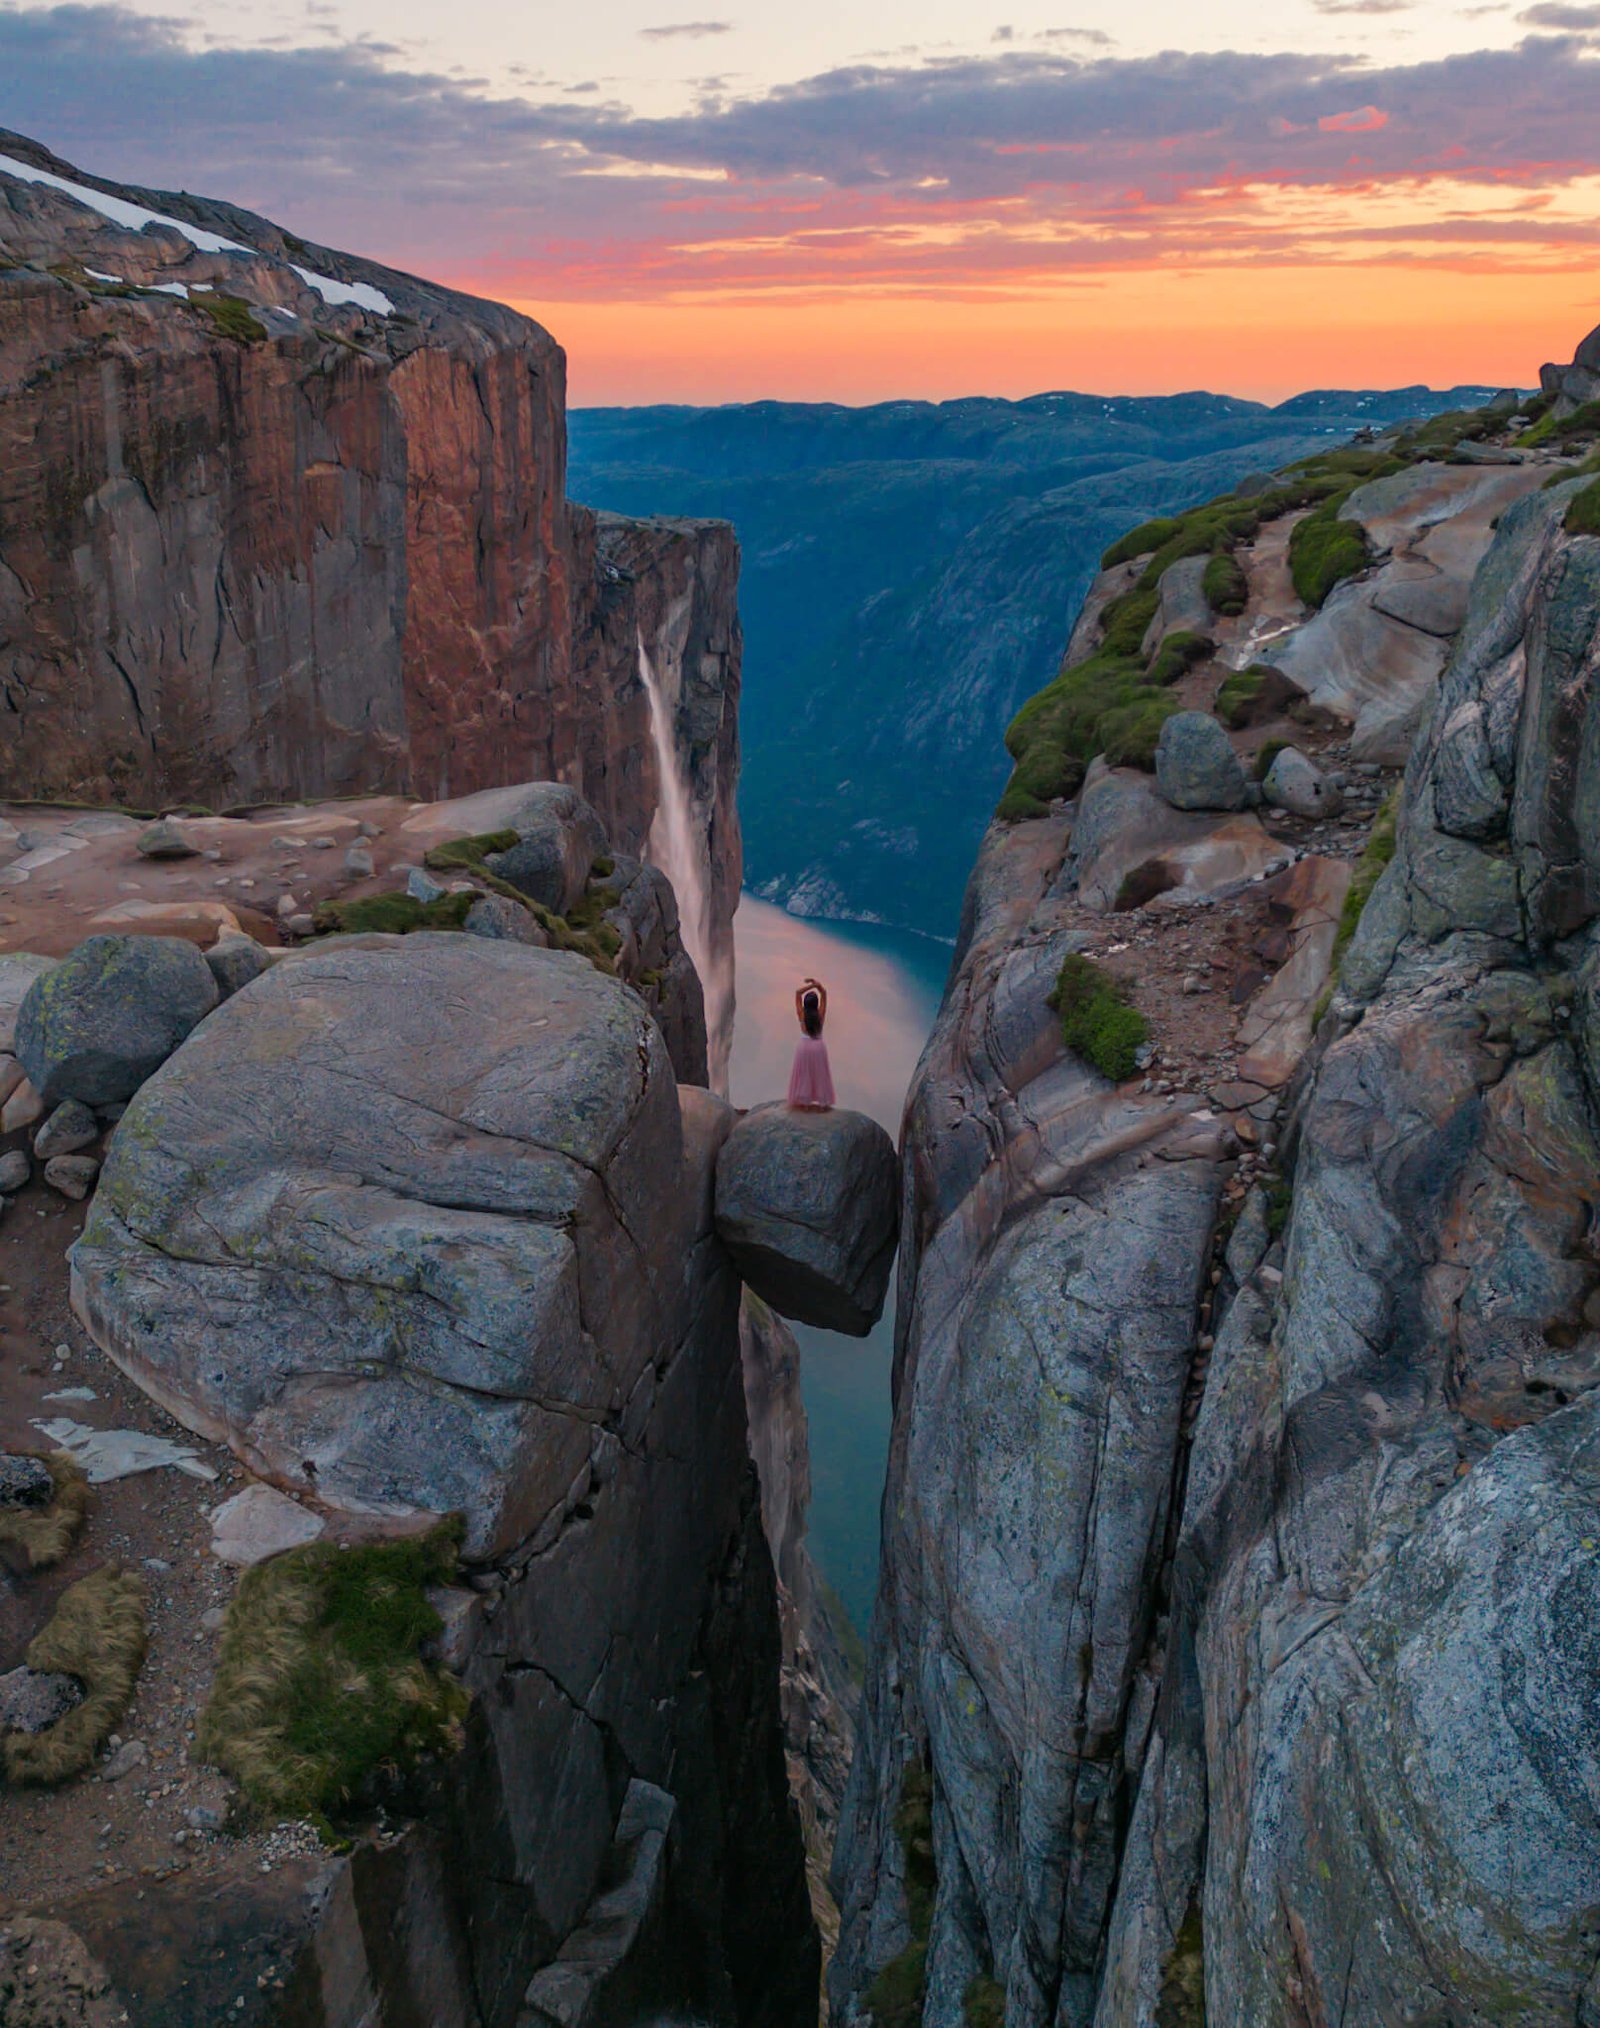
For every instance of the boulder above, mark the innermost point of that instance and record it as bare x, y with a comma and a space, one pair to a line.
96, 1026
32, 1699
1295, 784
25, 1481
70, 1127
503, 920
235, 961
22, 1108
1181, 604
165, 840
15, 1169
412, 1275
421, 886
808, 1204
18, 970
1196, 766
259, 1522
559, 838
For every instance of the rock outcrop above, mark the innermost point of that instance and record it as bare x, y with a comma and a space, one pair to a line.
1576, 384
350, 484
424, 1224
1232, 1650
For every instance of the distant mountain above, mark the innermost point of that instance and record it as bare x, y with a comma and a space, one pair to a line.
911, 571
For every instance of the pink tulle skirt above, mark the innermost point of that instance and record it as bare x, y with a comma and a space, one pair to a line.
811, 1081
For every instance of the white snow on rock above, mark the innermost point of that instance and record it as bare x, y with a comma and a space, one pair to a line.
131, 217
95, 275
362, 294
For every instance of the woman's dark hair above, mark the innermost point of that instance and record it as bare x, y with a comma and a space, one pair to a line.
811, 1014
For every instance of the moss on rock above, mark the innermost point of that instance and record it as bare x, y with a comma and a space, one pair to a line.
1098, 1021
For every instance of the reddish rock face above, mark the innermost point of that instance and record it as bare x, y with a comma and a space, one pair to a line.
258, 545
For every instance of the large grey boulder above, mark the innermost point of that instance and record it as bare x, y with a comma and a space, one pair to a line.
1196, 766
808, 1204
559, 838
98, 1024
1181, 603
400, 1224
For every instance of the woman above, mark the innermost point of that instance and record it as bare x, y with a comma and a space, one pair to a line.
811, 1080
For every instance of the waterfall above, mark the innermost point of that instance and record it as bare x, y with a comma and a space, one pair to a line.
681, 851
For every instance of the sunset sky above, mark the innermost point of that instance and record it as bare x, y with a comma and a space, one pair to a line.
910, 198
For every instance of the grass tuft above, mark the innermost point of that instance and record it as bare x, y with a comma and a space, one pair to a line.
1225, 585
231, 317
320, 1679
45, 1534
456, 854
1379, 850
1324, 551
1098, 1021
1177, 655
96, 1633
1583, 423
1583, 511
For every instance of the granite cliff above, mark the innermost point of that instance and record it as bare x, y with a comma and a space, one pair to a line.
1233, 1659
278, 523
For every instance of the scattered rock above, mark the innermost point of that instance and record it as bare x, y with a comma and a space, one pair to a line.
203, 1818
358, 863
1196, 766
21, 1110
107, 1454
559, 838
72, 1175
24, 1481
70, 1127
1295, 784
235, 961
421, 886
98, 1024
130, 1754
15, 1169
165, 840
260, 1522
32, 1699
808, 1204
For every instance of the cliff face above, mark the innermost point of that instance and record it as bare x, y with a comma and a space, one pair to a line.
276, 523
1228, 1663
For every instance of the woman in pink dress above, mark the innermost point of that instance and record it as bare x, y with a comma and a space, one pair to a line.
811, 1080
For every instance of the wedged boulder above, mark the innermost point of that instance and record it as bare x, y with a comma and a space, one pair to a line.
808, 1204
94, 1027
1196, 766
559, 838
402, 1225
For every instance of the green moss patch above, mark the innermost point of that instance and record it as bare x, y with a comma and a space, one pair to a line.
896, 1995
1324, 551
43, 1535
1181, 2003
397, 914
321, 1682
1266, 754
1098, 1021
1583, 511
1225, 585
983, 2004
231, 317
1378, 852
457, 854
96, 1633
1575, 428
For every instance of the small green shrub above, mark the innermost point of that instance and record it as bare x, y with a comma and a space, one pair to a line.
1098, 1021
1583, 511
320, 1679
1225, 585
43, 1535
1324, 551
1140, 541
1280, 1205
895, 1997
397, 914
1243, 691
1177, 655
231, 317
96, 1633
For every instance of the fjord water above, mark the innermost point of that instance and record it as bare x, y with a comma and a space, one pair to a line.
883, 992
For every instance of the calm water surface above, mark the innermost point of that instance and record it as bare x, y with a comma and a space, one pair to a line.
883, 992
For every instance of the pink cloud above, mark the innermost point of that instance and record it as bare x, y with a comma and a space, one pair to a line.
1364, 120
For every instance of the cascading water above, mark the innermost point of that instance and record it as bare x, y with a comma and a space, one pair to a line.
679, 849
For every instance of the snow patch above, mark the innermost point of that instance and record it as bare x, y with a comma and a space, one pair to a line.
95, 275
362, 294
131, 217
